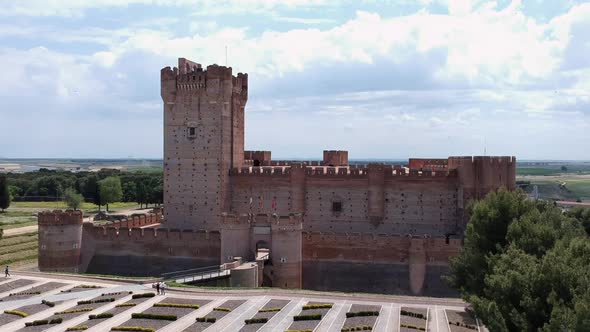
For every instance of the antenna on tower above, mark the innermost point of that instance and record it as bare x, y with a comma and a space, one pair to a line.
484, 146
226, 55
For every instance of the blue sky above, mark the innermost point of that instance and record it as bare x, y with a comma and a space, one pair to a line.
382, 79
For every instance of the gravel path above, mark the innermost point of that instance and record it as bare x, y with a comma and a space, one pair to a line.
41, 289
364, 320
158, 324
309, 324
16, 283
231, 304
269, 305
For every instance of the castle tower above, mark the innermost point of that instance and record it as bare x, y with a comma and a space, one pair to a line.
203, 140
60, 240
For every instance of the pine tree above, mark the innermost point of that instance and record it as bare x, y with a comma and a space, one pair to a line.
4, 193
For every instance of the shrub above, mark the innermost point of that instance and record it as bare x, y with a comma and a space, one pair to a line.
101, 316
116, 293
77, 328
270, 310
16, 312
177, 305
222, 309
73, 311
154, 316
131, 304
317, 306
139, 296
298, 330
467, 326
133, 328
25, 293
412, 314
37, 322
256, 321
307, 317
110, 299
408, 326
48, 303
362, 314
206, 319
87, 286
357, 328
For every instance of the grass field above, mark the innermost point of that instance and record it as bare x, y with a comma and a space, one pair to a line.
15, 219
62, 205
18, 249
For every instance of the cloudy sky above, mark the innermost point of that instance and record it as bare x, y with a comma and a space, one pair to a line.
382, 79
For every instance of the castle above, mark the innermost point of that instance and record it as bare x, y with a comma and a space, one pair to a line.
325, 225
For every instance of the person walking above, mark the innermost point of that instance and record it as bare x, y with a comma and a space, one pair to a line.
163, 288
7, 272
158, 288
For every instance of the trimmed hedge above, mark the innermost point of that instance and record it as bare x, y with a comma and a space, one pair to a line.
44, 322
357, 328
270, 310
222, 309
73, 311
87, 286
154, 316
467, 326
256, 321
133, 328
142, 295
101, 316
299, 331
126, 305
206, 319
317, 306
77, 328
25, 293
48, 303
110, 299
412, 314
177, 305
16, 312
307, 317
409, 326
115, 293
362, 314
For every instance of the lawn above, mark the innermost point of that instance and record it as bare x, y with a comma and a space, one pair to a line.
580, 188
18, 249
15, 219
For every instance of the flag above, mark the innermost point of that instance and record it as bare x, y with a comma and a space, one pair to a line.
274, 203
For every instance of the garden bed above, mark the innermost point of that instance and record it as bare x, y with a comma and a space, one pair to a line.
315, 313
413, 319
80, 288
215, 314
78, 310
115, 311
461, 321
361, 317
270, 309
34, 291
14, 284
28, 309
164, 312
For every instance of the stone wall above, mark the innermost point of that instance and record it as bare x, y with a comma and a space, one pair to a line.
60, 240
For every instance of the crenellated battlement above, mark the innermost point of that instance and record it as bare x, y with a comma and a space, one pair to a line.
59, 218
389, 171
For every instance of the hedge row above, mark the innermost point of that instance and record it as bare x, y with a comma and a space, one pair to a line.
139, 296
110, 299
412, 314
362, 314
115, 293
206, 319
307, 317
48, 303
133, 328
154, 316
25, 293
222, 309
77, 328
467, 326
317, 306
357, 328
256, 321
16, 312
131, 304
408, 326
270, 310
298, 330
87, 286
44, 322
73, 311
101, 316
177, 305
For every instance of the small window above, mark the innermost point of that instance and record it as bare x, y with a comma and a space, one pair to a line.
336, 206
192, 132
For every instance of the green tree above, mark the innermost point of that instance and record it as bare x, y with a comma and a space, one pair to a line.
4, 193
73, 199
90, 189
110, 190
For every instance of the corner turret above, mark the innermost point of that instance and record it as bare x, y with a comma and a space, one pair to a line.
60, 240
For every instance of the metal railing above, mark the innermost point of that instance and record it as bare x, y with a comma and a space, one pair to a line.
199, 274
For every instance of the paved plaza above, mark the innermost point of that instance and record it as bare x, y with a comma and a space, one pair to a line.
73, 299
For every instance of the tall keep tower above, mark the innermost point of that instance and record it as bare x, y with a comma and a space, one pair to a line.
203, 140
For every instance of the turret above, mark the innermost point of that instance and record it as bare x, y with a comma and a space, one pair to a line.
60, 240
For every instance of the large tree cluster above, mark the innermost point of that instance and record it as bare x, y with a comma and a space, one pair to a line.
525, 264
